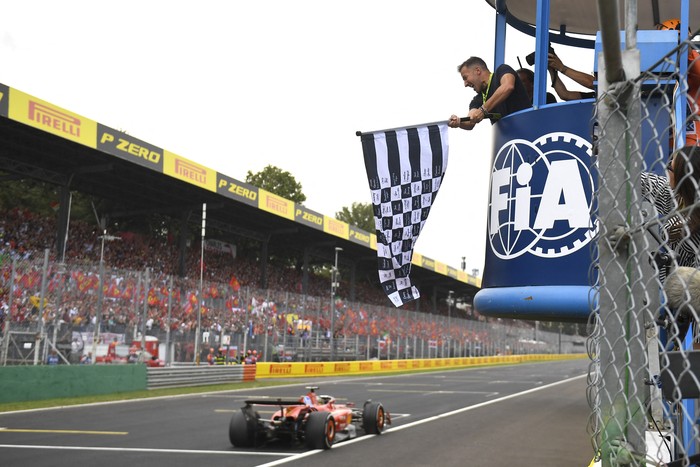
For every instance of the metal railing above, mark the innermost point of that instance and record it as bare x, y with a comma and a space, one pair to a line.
52, 307
191, 375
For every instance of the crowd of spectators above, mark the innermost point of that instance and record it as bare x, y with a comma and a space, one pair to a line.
230, 293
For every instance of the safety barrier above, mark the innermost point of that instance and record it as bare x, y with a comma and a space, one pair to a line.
295, 369
182, 376
36, 382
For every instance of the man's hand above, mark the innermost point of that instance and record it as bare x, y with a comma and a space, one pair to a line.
554, 62
475, 116
453, 121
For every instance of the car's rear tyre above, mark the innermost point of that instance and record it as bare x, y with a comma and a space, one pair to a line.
373, 418
242, 431
320, 430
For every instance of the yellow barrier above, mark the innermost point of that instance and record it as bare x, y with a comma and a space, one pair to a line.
295, 369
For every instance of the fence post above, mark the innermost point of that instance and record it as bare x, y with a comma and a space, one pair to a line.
621, 299
8, 317
168, 356
40, 334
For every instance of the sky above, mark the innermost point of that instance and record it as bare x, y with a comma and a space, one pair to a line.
239, 85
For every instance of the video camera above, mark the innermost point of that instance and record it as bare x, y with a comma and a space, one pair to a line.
530, 59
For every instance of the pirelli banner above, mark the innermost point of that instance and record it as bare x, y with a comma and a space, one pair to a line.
297, 369
47, 117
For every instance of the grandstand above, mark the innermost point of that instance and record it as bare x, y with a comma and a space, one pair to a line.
248, 296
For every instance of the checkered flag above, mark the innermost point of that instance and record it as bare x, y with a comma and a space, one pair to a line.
405, 167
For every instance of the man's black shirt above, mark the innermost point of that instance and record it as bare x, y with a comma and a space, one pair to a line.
518, 99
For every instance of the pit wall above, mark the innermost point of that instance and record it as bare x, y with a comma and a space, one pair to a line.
284, 370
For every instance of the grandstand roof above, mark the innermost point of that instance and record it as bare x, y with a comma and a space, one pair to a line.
45, 142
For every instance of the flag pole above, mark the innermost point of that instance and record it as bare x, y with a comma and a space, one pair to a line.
441, 122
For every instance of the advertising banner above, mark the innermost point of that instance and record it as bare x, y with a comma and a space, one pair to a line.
275, 204
127, 147
335, 227
236, 190
52, 119
188, 171
308, 217
358, 235
4, 100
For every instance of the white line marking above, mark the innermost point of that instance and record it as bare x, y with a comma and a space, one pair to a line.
481, 404
167, 451
432, 393
420, 422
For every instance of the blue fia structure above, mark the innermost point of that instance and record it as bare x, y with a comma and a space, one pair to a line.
541, 226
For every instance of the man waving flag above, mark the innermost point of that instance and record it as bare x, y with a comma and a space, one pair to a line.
405, 167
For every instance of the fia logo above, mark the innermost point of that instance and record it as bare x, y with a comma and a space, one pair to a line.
541, 197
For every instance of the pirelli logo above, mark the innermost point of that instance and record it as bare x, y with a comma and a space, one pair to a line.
313, 368
428, 263
47, 117
281, 369
441, 268
336, 227
50, 117
190, 171
276, 205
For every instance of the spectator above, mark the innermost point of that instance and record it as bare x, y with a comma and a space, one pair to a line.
86, 359
674, 197
53, 358
220, 357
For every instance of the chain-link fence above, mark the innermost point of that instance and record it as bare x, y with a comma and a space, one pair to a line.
68, 312
644, 381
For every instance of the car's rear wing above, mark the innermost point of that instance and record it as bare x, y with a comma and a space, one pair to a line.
273, 402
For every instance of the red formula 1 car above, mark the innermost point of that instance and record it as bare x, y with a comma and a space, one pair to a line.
317, 421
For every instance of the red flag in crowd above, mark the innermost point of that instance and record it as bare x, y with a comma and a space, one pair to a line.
235, 285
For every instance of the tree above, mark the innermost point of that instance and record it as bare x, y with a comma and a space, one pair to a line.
277, 181
359, 214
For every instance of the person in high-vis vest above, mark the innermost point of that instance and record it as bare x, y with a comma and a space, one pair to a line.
692, 121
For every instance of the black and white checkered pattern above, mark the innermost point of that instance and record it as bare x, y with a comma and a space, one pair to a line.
405, 168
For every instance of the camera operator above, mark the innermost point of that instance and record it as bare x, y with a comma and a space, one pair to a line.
556, 66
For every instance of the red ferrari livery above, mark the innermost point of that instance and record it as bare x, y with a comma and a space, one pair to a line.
317, 421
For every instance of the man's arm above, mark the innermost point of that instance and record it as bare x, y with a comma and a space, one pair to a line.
561, 90
501, 94
584, 79
507, 84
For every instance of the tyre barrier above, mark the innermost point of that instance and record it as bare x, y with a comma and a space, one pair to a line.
184, 376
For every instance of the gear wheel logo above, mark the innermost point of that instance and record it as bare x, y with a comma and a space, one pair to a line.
541, 197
